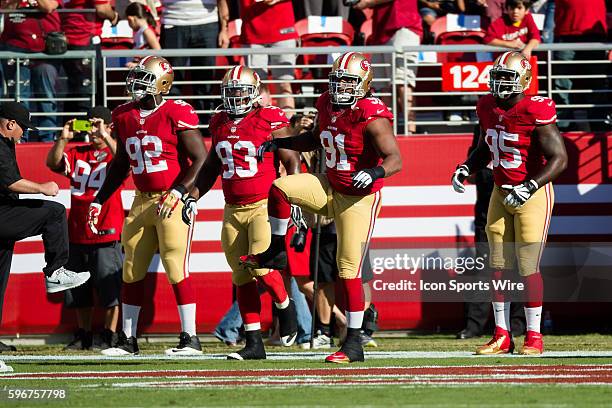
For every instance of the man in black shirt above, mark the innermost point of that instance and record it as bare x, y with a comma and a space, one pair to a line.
25, 218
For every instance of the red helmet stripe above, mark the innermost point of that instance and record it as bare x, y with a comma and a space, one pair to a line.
504, 57
345, 60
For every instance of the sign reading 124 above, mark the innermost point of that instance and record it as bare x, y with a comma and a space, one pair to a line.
474, 76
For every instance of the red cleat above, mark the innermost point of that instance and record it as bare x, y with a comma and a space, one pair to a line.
533, 343
501, 343
338, 357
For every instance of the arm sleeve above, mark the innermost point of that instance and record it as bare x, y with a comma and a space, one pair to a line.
275, 117
68, 161
373, 108
9, 173
185, 116
543, 111
495, 31
532, 30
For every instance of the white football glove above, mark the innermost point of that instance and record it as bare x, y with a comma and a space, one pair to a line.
459, 177
168, 202
519, 194
92, 216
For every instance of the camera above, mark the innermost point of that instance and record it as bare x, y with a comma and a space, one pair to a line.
350, 3
81, 125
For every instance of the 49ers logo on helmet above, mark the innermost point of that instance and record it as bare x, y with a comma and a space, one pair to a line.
165, 66
365, 65
525, 64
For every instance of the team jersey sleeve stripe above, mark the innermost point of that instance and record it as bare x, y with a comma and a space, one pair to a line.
540, 121
182, 124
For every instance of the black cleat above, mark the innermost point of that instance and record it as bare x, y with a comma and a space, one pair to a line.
6, 347
83, 340
351, 351
275, 257
105, 340
188, 346
287, 322
254, 349
124, 347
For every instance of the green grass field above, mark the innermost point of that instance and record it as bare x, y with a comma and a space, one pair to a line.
402, 371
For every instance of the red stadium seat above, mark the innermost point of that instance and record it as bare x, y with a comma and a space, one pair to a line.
233, 28
329, 39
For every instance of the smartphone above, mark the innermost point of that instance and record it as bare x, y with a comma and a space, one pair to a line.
81, 125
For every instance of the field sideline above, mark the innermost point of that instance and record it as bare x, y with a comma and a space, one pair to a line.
414, 370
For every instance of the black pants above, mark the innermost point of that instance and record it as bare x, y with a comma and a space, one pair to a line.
26, 218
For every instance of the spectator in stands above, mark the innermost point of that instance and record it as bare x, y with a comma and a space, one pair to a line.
515, 29
23, 218
85, 166
306, 8
26, 32
547, 8
142, 22
194, 24
83, 30
270, 24
430, 10
397, 23
577, 22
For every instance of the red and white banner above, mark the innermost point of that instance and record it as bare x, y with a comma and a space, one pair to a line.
418, 205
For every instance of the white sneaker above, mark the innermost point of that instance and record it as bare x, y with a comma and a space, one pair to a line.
63, 279
321, 341
5, 368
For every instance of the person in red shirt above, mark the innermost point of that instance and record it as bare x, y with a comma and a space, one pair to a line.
83, 30
237, 133
520, 138
100, 253
159, 142
270, 24
397, 23
515, 29
356, 131
576, 22
25, 32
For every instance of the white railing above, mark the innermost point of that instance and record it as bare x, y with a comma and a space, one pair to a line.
430, 111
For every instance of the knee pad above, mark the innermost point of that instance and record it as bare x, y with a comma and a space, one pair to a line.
370, 320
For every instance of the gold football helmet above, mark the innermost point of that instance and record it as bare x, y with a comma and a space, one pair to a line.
153, 75
240, 90
350, 78
511, 74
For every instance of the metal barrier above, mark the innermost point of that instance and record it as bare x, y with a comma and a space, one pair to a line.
431, 111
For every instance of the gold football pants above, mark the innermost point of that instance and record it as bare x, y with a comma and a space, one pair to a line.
144, 233
519, 232
245, 231
354, 216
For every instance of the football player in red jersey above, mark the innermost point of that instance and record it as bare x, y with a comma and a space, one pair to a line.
99, 253
356, 131
521, 140
237, 132
157, 139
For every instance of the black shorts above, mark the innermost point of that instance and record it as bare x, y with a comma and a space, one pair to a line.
328, 267
328, 245
105, 263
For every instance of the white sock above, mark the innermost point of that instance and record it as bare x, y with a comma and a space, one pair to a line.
188, 318
279, 225
501, 312
354, 319
252, 326
130, 319
533, 315
284, 304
